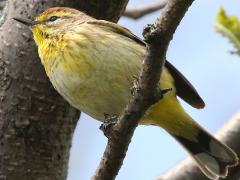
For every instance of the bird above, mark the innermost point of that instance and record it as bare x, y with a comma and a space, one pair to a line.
92, 64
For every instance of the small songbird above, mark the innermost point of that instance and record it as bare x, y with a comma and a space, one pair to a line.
93, 63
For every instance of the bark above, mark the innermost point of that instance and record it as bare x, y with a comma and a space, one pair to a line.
36, 124
187, 169
142, 10
2, 5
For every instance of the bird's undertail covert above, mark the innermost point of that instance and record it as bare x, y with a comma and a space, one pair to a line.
212, 156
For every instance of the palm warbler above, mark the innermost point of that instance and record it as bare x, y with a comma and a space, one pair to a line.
92, 64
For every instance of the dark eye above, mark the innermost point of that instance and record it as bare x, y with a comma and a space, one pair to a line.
53, 18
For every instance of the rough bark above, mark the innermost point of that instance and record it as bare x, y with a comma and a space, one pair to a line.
187, 169
2, 5
105, 9
142, 10
36, 124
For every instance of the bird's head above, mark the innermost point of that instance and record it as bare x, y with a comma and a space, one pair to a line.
52, 21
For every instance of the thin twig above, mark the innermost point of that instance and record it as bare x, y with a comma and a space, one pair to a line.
188, 169
158, 37
140, 11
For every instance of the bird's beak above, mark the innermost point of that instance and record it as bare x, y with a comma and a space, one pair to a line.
26, 21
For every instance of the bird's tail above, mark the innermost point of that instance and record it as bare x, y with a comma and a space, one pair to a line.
212, 156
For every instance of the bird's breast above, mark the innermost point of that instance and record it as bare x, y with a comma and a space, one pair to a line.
95, 89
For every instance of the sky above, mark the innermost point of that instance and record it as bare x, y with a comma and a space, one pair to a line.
203, 57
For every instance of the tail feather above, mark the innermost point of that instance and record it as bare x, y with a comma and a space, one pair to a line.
212, 156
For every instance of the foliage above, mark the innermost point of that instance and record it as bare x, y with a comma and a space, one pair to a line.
229, 27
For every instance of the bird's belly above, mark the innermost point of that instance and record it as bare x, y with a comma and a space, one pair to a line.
94, 96
106, 95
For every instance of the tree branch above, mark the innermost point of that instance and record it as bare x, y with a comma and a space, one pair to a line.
187, 169
158, 37
140, 11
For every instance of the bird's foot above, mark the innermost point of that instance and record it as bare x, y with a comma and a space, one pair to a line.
161, 92
106, 126
166, 90
134, 88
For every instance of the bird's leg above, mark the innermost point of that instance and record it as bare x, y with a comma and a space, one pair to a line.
110, 120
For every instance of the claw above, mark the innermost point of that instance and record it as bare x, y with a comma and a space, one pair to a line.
164, 91
134, 88
159, 94
110, 120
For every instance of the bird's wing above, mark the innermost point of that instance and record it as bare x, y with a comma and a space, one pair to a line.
184, 88
117, 29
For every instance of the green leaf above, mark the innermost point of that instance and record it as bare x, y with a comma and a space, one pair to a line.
229, 27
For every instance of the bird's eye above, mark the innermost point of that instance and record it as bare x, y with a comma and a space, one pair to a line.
53, 18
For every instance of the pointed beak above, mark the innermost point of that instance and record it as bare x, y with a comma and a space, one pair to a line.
25, 21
